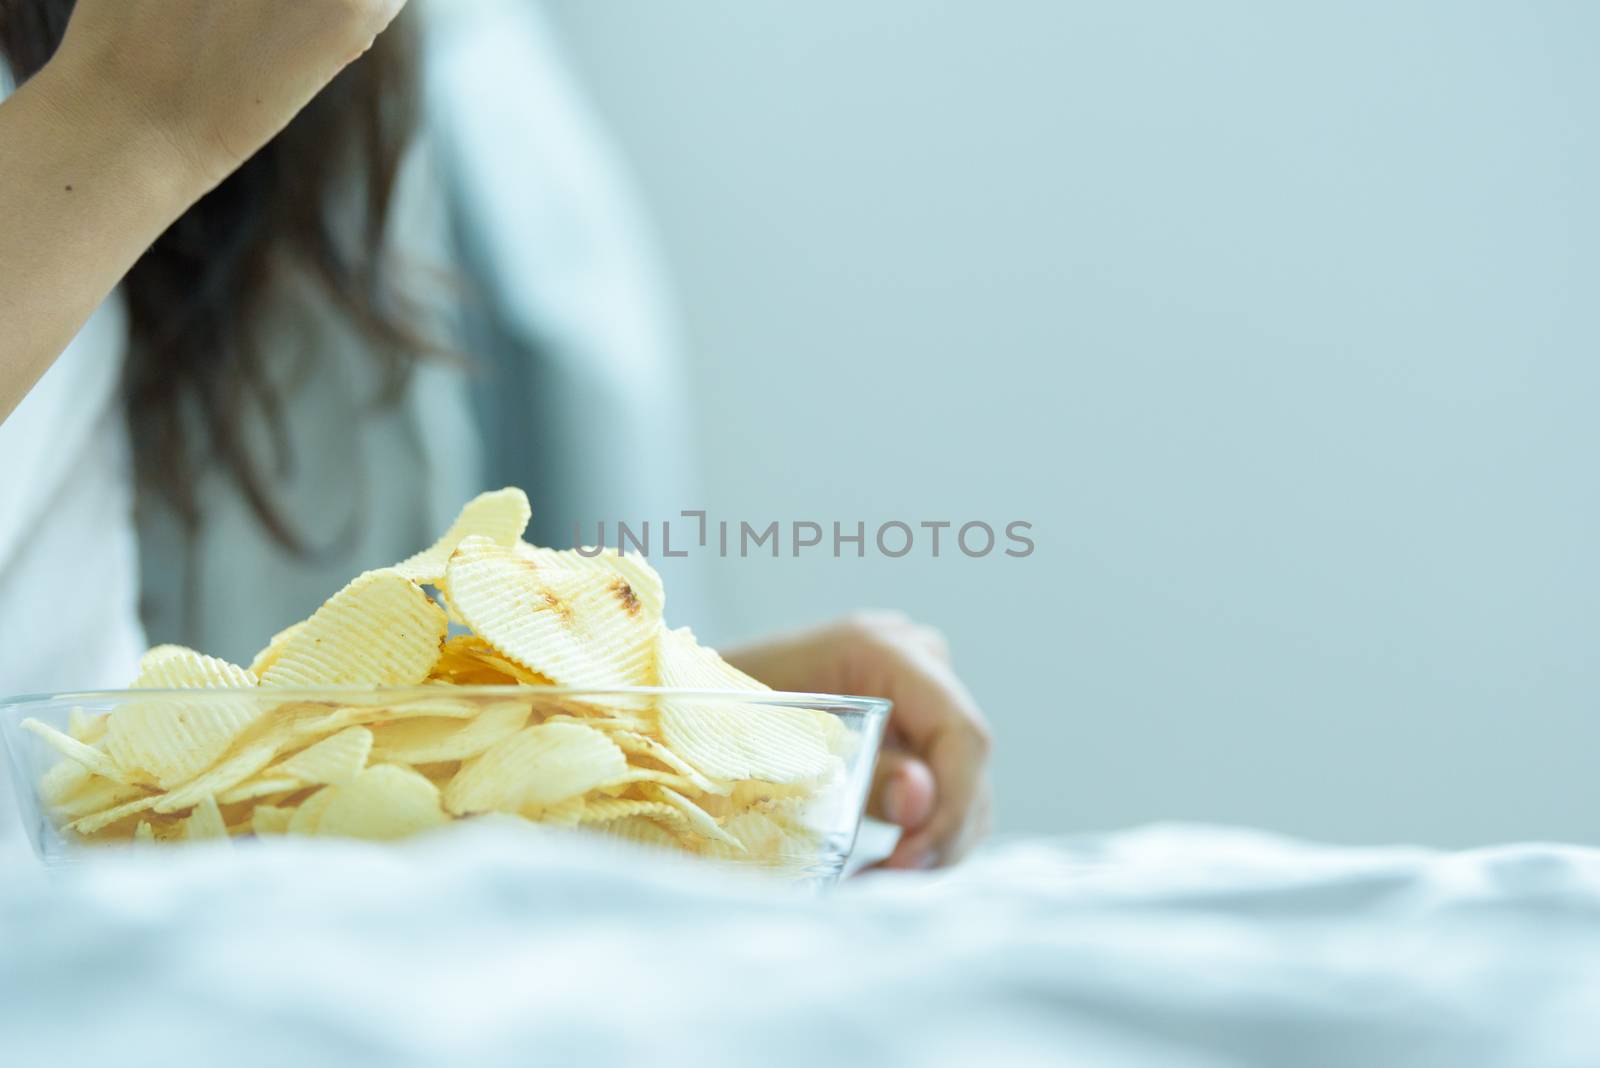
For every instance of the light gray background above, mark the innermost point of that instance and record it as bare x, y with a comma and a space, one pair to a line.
1277, 320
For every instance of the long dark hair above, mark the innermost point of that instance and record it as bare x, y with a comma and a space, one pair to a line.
195, 375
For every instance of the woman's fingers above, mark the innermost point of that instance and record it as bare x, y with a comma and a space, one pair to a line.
939, 722
932, 777
903, 791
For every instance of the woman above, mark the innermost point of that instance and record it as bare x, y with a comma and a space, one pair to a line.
199, 298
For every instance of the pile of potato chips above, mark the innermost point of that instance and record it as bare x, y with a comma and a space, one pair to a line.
716, 776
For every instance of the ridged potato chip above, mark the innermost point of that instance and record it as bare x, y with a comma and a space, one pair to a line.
500, 516
85, 727
698, 821
99, 821
86, 755
64, 779
540, 766
262, 785
269, 656
230, 772
173, 667
270, 819
646, 746
336, 759
308, 814
604, 565
641, 830
561, 624
385, 801
380, 630
733, 741
205, 822
432, 741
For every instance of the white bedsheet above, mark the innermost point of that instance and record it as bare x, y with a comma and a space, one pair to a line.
506, 945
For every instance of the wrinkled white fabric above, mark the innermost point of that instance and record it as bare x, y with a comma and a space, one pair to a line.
500, 944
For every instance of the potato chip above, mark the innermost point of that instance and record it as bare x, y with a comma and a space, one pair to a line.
336, 759
644, 745
62, 780
269, 656
539, 765
95, 795
562, 625
205, 822
568, 813
172, 667
262, 785
642, 830
385, 801
380, 630
734, 741
699, 822
97, 822
230, 772
171, 739
270, 819
375, 715
144, 832
500, 516
87, 755
308, 814
430, 741
611, 809
86, 727
604, 564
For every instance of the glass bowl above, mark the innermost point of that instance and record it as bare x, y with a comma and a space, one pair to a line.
762, 780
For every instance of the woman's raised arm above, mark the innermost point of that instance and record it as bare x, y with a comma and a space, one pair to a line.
146, 106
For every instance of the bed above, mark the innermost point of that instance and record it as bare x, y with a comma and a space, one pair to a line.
503, 944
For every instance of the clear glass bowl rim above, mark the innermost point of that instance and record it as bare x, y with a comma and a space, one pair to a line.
871, 706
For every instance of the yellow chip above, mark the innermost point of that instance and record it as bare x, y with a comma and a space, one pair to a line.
605, 565
642, 830
568, 813
698, 821
644, 745
380, 630
576, 628
263, 785
233, 770
367, 715
172, 667
100, 820
611, 809
270, 819
172, 739
144, 832
729, 740
385, 801
269, 656
500, 516
308, 813
431, 741
336, 759
63, 779
87, 755
96, 795
205, 822
538, 766
86, 727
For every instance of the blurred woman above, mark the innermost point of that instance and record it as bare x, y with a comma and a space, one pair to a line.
244, 249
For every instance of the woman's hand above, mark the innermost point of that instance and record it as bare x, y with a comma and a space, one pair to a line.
219, 78
932, 776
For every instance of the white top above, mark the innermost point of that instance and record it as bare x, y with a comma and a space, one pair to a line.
510, 184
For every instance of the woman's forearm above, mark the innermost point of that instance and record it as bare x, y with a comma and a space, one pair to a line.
85, 187
143, 108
